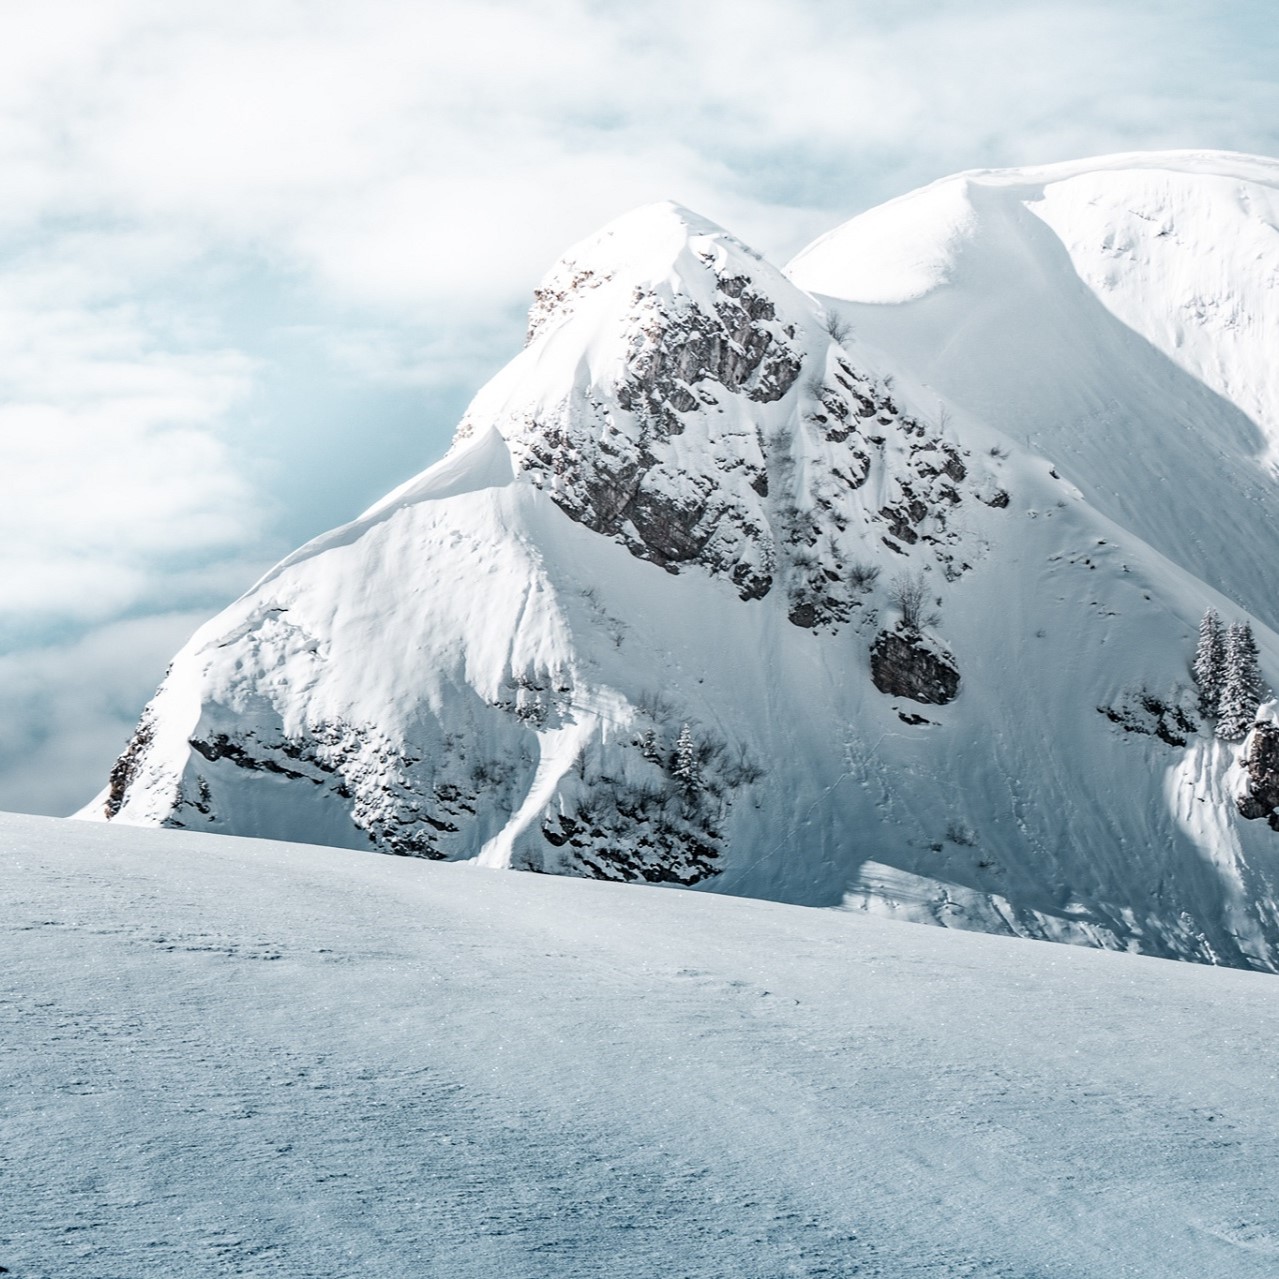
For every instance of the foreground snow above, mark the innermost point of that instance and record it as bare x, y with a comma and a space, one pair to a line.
235, 1057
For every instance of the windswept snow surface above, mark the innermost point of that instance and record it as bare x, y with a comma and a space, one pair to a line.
222, 1056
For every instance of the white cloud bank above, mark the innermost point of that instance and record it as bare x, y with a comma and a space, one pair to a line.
253, 256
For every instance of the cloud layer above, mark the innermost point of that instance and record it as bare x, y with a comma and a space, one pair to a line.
256, 256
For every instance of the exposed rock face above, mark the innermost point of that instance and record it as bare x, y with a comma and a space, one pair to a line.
568, 282
634, 821
724, 427
1261, 797
125, 769
643, 818
1143, 712
618, 473
403, 804
904, 664
653, 828
734, 343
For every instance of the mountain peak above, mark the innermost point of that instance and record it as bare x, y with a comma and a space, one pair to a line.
680, 396
913, 245
1030, 295
656, 246
655, 218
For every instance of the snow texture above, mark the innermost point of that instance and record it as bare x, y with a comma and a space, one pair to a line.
1045, 395
226, 1057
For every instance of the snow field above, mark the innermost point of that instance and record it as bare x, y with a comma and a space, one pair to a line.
237, 1057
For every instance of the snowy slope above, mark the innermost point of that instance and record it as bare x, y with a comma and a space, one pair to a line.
1119, 316
227, 1057
668, 513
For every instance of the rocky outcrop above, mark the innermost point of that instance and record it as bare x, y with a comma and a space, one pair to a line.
734, 344
615, 470
406, 803
1144, 713
728, 428
127, 766
558, 292
1261, 795
650, 817
636, 834
904, 664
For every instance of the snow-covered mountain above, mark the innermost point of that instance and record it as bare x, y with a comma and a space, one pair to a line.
875, 584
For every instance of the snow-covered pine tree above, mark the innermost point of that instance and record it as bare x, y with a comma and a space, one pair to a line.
685, 769
1210, 663
648, 747
1242, 687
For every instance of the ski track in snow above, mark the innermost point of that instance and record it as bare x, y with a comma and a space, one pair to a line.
228, 1057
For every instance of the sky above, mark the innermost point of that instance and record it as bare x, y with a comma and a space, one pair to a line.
255, 258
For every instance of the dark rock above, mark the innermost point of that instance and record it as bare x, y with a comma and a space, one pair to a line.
682, 400
1261, 797
954, 466
835, 405
897, 524
903, 664
127, 766
670, 531
1144, 713
220, 746
557, 833
680, 357
998, 501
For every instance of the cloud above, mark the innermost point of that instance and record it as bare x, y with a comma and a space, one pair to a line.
416, 156
70, 708
254, 258
109, 446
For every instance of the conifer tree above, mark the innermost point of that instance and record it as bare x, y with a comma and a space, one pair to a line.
648, 747
1210, 662
685, 770
1242, 687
